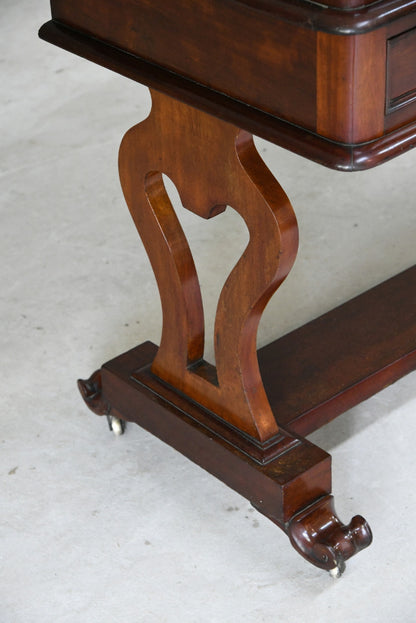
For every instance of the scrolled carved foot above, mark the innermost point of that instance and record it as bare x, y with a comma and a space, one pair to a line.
320, 537
91, 391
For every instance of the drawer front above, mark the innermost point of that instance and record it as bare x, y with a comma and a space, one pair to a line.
401, 71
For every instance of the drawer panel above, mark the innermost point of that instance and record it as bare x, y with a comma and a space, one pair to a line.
401, 71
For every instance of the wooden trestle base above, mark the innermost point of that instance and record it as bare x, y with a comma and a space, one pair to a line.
292, 487
244, 419
311, 376
333, 83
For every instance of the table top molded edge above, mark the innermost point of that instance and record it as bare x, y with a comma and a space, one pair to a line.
339, 156
342, 17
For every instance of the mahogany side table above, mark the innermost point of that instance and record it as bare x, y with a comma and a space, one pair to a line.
333, 83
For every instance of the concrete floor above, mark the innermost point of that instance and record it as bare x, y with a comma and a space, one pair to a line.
100, 529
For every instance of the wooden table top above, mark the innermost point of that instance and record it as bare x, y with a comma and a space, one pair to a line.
334, 83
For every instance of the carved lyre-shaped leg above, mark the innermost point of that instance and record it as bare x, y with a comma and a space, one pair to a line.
213, 165
219, 416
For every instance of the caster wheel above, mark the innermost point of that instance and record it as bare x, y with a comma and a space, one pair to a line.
336, 572
116, 425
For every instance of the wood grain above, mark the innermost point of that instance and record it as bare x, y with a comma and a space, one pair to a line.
313, 79
215, 43
343, 357
350, 91
292, 489
399, 126
401, 70
213, 164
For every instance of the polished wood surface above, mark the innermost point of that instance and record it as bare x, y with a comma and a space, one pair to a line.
214, 43
331, 364
332, 105
216, 165
334, 83
257, 414
343, 357
350, 90
292, 488
401, 70
341, 16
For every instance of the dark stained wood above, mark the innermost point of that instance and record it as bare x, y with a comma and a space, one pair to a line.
318, 534
315, 79
335, 111
335, 15
213, 164
334, 84
351, 90
259, 451
286, 488
316, 372
344, 157
389, 146
292, 490
334, 362
400, 106
401, 70
215, 43
329, 365
331, 59
91, 392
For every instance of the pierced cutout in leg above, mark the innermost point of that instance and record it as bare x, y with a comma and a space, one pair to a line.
182, 342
